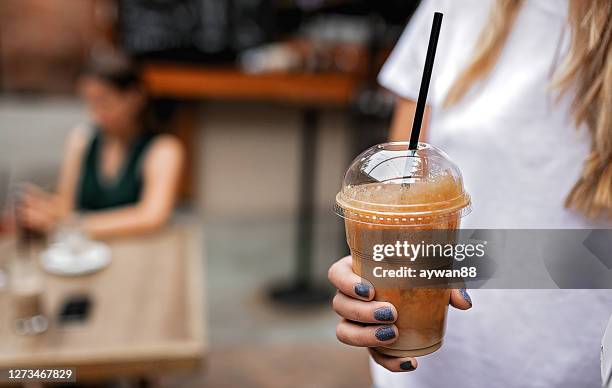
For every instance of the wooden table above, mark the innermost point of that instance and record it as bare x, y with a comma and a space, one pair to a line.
313, 89
311, 92
147, 315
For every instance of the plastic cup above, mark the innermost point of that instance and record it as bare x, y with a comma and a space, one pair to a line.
391, 194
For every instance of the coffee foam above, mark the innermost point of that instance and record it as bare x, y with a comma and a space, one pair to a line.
441, 196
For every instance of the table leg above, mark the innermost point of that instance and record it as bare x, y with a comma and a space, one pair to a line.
307, 190
303, 288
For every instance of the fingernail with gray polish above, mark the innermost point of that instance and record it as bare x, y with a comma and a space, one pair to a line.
407, 365
384, 314
362, 290
465, 295
385, 333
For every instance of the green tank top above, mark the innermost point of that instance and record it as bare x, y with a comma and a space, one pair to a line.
125, 189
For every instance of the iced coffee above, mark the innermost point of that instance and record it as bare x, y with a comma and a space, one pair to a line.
391, 196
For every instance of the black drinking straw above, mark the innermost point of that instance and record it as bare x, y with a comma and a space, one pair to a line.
429, 61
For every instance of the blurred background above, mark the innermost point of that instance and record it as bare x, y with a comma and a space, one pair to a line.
271, 99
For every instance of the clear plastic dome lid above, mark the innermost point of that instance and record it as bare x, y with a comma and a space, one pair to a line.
391, 182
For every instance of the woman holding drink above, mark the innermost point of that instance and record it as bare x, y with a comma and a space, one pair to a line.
520, 99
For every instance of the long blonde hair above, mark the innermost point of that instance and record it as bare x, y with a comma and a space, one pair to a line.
586, 71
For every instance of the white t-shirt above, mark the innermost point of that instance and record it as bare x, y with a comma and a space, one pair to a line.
520, 155
606, 357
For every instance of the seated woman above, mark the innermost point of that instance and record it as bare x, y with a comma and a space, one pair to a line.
120, 175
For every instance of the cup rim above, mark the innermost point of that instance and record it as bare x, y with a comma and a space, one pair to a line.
404, 215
